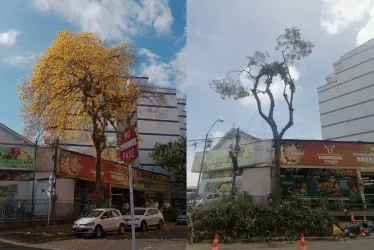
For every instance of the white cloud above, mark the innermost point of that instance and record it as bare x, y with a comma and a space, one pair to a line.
19, 60
218, 134
367, 32
109, 19
339, 15
8, 38
163, 73
276, 88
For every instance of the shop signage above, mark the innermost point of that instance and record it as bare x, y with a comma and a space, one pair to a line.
150, 182
327, 154
219, 159
83, 166
15, 158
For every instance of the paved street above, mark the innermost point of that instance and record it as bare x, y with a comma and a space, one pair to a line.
341, 245
60, 237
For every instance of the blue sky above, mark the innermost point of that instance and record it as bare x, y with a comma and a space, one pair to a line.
28, 27
221, 34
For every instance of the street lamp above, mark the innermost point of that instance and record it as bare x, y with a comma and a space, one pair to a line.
35, 153
202, 161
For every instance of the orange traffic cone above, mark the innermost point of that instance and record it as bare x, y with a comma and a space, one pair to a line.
353, 219
215, 243
302, 242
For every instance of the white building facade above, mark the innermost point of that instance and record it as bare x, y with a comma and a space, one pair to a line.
346, 101
254, 162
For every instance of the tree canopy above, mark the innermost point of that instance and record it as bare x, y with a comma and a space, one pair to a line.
261, 74
81, 86
172, 156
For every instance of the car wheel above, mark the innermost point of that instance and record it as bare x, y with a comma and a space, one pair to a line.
143, 226
121, 229
98, 232
160, 225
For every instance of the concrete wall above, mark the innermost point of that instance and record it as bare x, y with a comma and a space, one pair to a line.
257, 181
346, 101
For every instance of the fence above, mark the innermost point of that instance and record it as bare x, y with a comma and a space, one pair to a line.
330, 203
22, 209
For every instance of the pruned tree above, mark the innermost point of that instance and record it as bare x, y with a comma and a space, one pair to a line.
172, 156
234, 154
82, 86
261, 74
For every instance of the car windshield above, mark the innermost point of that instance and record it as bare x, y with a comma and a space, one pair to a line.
93, 214
137, 211
183, 213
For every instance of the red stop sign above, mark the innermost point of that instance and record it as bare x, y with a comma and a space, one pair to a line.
128, 146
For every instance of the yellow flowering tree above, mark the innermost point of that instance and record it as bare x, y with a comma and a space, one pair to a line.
81, 86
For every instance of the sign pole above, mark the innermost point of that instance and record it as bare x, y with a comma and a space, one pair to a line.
49, 212
128, 152
132, 208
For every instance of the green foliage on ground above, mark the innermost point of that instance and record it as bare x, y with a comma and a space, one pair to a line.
171, 213
241, 220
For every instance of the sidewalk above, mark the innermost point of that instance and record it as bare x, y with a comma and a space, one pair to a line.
364, 243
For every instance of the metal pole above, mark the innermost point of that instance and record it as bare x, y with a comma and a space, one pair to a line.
33, 181
202, 164
49, 210
133, 240
53, 185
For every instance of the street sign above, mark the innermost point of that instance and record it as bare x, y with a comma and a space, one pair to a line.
128, 146
49, 191
50, 179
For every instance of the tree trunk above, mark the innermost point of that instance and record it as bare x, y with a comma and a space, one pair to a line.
98, 178
235, 170
277, 182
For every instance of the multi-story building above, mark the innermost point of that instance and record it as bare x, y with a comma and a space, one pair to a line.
346, 104
346, 101
156, 121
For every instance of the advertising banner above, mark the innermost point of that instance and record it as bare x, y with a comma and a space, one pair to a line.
15, 158
312, 182
15, 175
83, 166
327, 154
149, 181
219, 159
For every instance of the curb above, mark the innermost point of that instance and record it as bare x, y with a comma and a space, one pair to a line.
272, 240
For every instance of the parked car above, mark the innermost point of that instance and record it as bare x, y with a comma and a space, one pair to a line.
98, 222
210, 199
182, 218
144, 218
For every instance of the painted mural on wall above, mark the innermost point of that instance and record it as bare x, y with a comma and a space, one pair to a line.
320, 182
14, 176
14, 157
219, 159
220, 186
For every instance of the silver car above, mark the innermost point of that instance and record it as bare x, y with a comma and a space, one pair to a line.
210, 199
182, 218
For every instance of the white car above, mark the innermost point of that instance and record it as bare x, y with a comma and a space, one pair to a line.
210, 199
182, 218
99, 221
145, 217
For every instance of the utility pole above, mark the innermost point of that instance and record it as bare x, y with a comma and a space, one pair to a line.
202, 161
233, 154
